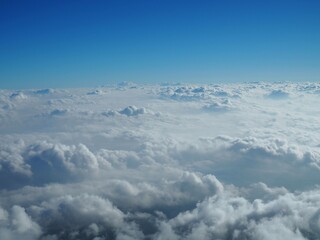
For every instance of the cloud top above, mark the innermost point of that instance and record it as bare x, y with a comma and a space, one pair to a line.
174, 161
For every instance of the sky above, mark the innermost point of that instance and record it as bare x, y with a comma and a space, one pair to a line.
91, 43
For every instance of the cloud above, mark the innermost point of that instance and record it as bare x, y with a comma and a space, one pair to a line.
58, 163
250, 160
44, 91
219, 162
45, 162
18, 96
278, 94
132, 111
196, 93
127, 111
224, 216
16, 224
96, 92
58, 112
78, 211
219, 106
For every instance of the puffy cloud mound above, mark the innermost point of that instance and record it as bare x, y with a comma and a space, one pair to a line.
96, 92
196, 93
75, 212
128, 111
58, 112
45, 162
243, 161
225, 216
17, 224
278, 94
18, 96
219, 106
57, 162
132, 111
44, 91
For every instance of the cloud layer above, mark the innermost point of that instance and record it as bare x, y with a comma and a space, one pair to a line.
235, 161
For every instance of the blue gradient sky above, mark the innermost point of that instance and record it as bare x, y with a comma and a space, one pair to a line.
88, 43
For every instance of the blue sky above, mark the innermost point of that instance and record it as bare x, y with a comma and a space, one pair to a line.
89, 43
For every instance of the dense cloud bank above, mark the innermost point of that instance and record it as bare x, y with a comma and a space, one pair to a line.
176, 161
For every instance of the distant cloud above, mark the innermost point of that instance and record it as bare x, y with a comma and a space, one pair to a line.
219, 106
278, 94
58, 112
128, 111
132, 111
44, 91
18, 96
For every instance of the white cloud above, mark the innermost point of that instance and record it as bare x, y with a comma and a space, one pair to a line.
219, 106
289, 216
44, 91
278, 94
18, 96
16, 224
127, 111
58, 162
58, 112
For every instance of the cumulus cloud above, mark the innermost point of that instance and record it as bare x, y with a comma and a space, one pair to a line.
249, 160
96, 92
127, 111
195, 93
278, 94
132, 111
226, 216
59, 163
16, 224
219, 106
18, 96
58, 112
219, 162
44, 91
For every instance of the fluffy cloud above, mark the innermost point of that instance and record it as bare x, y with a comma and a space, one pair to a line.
289, 216
219, 106
44, 91
18, 96
278, 94
194, 93
128, 111
16, 224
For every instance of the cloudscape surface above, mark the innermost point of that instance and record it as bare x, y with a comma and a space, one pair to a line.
227, 161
